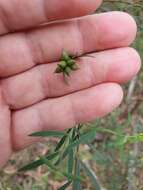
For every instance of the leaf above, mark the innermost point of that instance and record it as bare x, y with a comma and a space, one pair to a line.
47, 134
83, 139
37, 163
48, 163
91, 176
65, 185
60, 143
77, 183
61, 147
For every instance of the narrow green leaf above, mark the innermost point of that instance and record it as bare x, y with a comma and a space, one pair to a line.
37, 163
47, 134
48, 163
63, 143
73, 133
61, 147
77, 183
60, 143
90, 175
83, 139
65, 185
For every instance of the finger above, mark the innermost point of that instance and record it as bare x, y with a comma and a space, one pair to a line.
5, 136
15, 15
19, 52
64, 112
118, 65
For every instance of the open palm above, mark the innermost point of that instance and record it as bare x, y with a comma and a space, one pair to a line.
32, 97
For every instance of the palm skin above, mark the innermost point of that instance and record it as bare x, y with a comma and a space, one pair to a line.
32, 98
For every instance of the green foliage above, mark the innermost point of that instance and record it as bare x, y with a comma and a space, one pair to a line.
48, 134
67, 147
38, 162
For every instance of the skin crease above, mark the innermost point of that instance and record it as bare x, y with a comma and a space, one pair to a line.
31, 95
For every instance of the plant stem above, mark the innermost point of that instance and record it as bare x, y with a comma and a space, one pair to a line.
77, 151
76, 184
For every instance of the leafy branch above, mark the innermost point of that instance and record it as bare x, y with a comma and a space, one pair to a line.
68, 147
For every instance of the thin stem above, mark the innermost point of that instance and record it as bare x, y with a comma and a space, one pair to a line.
76, 171
75, 165
77, 150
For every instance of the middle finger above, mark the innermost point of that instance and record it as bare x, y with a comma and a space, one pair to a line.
32, 86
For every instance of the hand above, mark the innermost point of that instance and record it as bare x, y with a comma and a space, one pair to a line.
32, 97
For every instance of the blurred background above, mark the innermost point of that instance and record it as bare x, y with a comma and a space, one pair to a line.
115, 164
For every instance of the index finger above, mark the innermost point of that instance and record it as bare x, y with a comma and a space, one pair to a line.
21, 14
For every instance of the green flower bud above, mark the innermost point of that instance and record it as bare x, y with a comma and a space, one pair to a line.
74, 67
63, 64
65, 56
67, 71
71, 62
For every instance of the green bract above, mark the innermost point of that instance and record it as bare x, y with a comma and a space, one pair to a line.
66, 65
